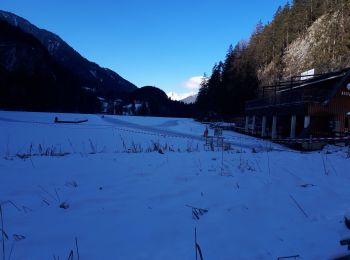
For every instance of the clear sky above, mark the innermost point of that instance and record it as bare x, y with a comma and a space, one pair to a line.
150, 42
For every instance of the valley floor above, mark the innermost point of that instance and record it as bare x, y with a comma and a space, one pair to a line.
126, 188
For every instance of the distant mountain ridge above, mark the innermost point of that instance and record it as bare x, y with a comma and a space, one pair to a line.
104, 82
190, 100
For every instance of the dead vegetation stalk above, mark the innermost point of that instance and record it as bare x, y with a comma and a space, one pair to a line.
2, 234
76, 247
268, 161
298, 205
324, 165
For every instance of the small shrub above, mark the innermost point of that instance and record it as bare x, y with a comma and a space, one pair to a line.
64, 205
135, 148
73, 184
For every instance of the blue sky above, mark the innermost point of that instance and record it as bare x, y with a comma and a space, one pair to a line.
150, 42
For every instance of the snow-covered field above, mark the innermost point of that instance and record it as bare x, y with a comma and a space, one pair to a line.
105, 185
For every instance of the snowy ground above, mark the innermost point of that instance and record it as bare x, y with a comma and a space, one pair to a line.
126, 200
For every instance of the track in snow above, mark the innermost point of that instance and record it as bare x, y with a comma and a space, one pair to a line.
237, 142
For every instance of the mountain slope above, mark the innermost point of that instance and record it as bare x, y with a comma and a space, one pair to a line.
322, 47
103, 81
30, 79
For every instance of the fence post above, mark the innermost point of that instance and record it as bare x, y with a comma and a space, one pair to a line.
253, 125
246, 124
263, 127
274, 127
293, 124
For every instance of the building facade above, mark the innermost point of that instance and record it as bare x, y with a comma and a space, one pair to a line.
317, 106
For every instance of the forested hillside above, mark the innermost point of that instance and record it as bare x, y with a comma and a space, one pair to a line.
302, 35
31, 80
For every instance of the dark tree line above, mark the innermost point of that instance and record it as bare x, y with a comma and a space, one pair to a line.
238, 77
155, 102
231, 83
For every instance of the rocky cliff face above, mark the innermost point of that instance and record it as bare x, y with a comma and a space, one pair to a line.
325, 47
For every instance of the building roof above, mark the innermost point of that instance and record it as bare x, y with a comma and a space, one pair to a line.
296, 91
339, 85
